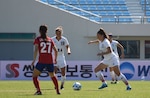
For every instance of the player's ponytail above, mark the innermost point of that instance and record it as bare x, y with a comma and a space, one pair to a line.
102, 32
43, 31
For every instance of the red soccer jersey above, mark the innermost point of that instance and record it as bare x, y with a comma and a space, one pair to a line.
45, 50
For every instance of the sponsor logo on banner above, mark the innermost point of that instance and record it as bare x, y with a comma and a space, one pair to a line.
136, 69
127, 69
144, 70
12, 70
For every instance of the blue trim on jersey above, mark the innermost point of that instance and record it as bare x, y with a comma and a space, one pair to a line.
48, 67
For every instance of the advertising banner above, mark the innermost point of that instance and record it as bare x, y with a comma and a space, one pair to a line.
76, 70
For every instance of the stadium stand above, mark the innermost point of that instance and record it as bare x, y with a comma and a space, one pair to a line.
100, 10
146, 8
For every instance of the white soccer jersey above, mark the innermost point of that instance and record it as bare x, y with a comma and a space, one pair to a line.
114, 44
103, 47
61, 44
109, 59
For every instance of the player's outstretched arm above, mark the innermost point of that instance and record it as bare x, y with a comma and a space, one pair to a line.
93, 41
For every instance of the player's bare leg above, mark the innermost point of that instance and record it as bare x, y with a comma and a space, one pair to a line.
63, 77
35, 75
56, 69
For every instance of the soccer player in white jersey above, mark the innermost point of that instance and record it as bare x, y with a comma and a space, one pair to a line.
61, 43
110, 59
114, 45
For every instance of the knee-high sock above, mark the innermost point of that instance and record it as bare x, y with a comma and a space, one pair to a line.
112, 74
55, 81
63, 78
124, 79
100, 76
36, 83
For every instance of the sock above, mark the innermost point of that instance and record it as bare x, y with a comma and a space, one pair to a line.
55, 81
124, 79
36, 83
63, 78
100, 76
116, 77
112, 74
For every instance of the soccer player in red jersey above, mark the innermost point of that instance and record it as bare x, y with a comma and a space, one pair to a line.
44, 45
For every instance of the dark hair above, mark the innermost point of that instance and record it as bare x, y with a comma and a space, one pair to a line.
43, 31
102, 32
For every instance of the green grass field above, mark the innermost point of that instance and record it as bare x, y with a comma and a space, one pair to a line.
25, 89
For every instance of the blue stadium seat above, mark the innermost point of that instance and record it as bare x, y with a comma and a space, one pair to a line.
125, 20
82, 2
123, 8
73, 2
62, 6
103, 13
118, 13
116, 7
143, 2
113, 2
84, 7
148, 19
50, 2
69, 8
78, 12
108, 7
44, 0
92, 7
147, 13
98, 7
98, 2
125, 13
96, 12
108, 19
66, 1
120, 2
95, 18
90, 2
105, 2
111, 13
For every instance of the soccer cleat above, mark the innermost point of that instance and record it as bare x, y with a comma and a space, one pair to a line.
103, 86
128, 88
58, 93
116, 82
38, 93
62, 88
112, 82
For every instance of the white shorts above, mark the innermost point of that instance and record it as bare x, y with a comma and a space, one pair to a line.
113, 61
61, 63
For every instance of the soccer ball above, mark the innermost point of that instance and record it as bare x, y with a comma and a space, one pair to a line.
77, 86
143, 78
